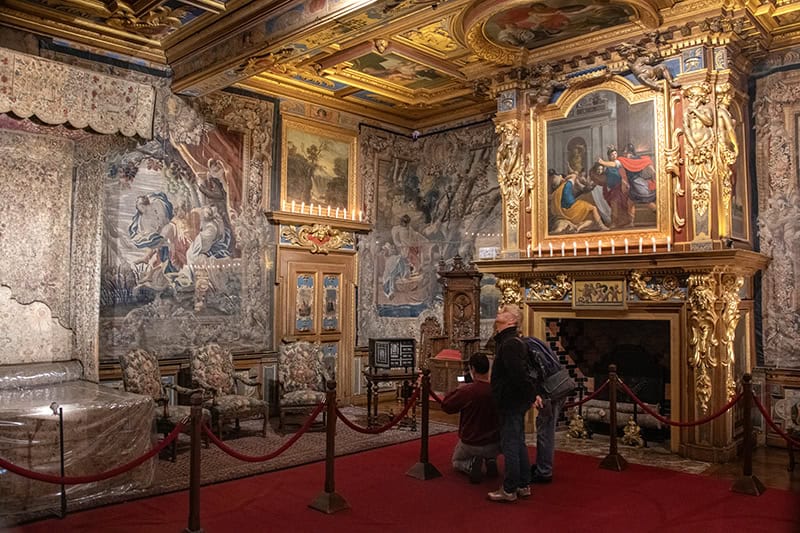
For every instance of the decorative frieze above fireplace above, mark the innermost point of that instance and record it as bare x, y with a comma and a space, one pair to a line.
706, 296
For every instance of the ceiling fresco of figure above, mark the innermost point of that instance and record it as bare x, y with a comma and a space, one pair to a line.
411, 63
539, 24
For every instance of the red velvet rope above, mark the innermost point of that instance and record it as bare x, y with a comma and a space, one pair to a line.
669, 422
772, 424
393, 422
590, 397
260, 458
76, 480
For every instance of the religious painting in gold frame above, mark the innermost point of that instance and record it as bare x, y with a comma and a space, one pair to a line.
599, 294
318, 167
599, 169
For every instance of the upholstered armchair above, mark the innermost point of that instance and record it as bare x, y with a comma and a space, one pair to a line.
212, 370
141, 375
302, 377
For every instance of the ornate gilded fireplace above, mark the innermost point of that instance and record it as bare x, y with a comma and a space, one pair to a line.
705, 297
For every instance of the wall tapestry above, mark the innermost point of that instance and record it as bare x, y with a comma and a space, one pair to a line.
428, 206
184, 240
777, 102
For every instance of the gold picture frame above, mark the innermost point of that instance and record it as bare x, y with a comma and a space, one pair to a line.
599, 294
318, 167
578, 196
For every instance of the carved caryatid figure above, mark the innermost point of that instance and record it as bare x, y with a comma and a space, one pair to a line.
727, 143
641, 64
698, 128
510, 172
544, 85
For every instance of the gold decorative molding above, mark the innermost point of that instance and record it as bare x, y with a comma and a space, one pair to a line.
321, 238
649, 288
673, 163
56, 93
510, 289
727, 143
730, 285
551, 289
702, 322
698, 130
510, 170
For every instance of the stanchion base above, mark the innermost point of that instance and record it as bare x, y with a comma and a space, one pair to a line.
329, 503
187, 530
424, 471
614, 462
750, 485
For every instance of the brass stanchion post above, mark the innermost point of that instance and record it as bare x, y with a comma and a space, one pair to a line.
329, 501
613, 461
193, 525
61, 451
748, 483
424, 469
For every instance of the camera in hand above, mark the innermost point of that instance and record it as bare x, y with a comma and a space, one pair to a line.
466, 378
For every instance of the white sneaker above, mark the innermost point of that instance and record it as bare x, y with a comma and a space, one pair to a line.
500, 495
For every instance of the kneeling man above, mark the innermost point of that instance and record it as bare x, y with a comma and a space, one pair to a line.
478, 427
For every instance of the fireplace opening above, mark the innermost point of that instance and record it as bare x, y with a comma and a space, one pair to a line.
641, 351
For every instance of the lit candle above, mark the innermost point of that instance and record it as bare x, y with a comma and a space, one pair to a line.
353, 214
640, 245
303, 207
529, 250
337, 212
360, 216
329, 210
345, 213
562, 249
311, 208
550, 244
539, 249
599, 246
587, 247
669, 244
653, 240
292, 206
283, 206
319, 209
612, 247
626, 246
574, 249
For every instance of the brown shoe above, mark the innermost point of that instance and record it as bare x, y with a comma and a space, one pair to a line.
500, 495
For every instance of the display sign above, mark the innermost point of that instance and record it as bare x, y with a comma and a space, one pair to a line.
389, 354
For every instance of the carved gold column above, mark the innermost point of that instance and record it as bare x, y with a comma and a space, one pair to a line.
700, 149
731, 286
702, 340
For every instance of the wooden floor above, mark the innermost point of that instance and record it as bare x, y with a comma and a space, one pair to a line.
769, 463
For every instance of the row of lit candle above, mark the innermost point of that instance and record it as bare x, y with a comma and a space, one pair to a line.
599, 247
319, 210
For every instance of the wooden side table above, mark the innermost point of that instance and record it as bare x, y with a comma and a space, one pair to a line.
374, 379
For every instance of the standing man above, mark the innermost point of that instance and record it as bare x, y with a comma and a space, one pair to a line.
513, 396
478, 426
542, 471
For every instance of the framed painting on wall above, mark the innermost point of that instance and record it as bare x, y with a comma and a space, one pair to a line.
600, 174
318, 165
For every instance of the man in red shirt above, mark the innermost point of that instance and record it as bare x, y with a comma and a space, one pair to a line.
479, 426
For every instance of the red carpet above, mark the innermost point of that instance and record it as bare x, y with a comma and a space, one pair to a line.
384, 499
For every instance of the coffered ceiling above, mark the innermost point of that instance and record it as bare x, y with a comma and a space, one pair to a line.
413, 63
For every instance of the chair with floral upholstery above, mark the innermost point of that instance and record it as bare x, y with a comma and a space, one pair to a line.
212, 370
141, 375
302, 377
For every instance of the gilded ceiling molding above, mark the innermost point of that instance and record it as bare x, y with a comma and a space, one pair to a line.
702, 322
654, 289
551, 289
510, 289
56, 93
510, 170
727, 143
698, 130
731, 284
